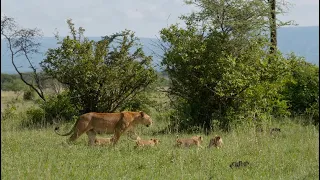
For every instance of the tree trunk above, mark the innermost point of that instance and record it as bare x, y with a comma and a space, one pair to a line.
273, 26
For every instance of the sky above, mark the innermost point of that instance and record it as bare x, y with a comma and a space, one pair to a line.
104, 17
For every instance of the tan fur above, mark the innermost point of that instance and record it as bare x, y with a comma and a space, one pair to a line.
188, 142
109, 123
216, 142
103, 141
151, 142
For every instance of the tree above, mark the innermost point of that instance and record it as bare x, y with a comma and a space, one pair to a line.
101, 75
23, 42
218, 61
241, 19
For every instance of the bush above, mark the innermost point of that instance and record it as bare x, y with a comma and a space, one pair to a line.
28, 95
35, 118
141, 102
313, 112
59, 107
9, 112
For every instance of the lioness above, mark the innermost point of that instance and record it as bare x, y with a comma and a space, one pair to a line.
117, 123
216, 142
103, 141
188, 142
142, 143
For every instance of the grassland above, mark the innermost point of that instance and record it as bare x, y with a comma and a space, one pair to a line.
41, 154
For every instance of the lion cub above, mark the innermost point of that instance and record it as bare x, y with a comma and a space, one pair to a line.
103, 141
142, 143
216, 142
188, 142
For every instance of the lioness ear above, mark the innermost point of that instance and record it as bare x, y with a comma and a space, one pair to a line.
141, 113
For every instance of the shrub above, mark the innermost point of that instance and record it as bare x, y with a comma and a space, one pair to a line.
140, 102
313, 112
9, 112
28, 95
35, 118
59, 107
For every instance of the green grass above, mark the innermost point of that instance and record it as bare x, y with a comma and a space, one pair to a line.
41, 154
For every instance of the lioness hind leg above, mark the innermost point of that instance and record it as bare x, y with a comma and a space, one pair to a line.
91, 136
117, 134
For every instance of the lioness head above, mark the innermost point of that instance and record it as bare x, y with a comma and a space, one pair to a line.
146, 119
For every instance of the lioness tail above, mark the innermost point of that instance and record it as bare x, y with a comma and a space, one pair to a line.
56, 131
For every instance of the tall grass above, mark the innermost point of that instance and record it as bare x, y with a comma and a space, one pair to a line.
41, 154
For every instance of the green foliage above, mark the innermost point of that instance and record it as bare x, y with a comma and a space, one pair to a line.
59, 108
140, 102
302, 93
35, 118
28, 95
220, 86
9, 112
220, 75
100, 77
12, 83
313, 112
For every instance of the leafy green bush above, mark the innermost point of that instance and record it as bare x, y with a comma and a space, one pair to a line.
302, 93
313, 112
140, 102
9, 112
28, 95
59, 107
35, 118
99, 77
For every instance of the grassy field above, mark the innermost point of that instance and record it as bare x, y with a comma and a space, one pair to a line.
41, 154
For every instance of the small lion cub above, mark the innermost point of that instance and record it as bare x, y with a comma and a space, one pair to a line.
103, 141
188, 142
142, 143
216, 142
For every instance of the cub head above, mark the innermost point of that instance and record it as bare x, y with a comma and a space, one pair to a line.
145, 119
217, 138
198, 138
156, 141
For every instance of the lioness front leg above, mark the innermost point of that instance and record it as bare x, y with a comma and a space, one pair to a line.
133, 135
91, 136
117, 134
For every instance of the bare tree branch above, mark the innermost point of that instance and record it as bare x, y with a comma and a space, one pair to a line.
22, 42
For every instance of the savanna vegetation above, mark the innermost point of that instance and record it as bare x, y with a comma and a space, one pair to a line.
222, 75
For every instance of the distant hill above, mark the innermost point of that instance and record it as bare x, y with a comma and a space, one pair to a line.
303, 41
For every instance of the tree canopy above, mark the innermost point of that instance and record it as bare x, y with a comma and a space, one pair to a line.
219, 65
101, 75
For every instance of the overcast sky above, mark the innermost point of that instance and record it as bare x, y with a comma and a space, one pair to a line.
104, 17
